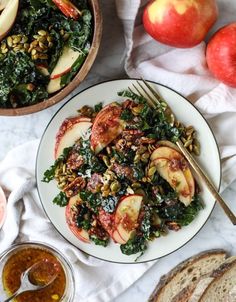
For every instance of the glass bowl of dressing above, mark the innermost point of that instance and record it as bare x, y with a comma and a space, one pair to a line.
19, 257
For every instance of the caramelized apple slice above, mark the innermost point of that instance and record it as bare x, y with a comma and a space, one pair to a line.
175, 178
69, 132
71, 216
117, 238
177, 162
126, 216
106, 127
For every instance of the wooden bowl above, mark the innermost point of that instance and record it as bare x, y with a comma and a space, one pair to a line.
83, 71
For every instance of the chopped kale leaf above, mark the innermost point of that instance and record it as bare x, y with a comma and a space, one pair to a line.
50, 173
99, 241
135, 245
61, 199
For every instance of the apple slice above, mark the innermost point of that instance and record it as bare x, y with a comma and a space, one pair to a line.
54, 85
71, 216
65, 62
126, 217
171, 152
42, 69
117, 238
69, 132
167, 143
68, 9
7, 17
3, 4
176, 179
106, 127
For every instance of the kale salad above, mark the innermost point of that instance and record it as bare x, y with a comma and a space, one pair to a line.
47, 45
121, 176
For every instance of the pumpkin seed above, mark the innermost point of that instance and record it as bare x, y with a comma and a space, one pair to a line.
66, 36
17, 39
137, 109
145, 156
26, 46
35, 57
137, 158
188, 143
49, 38
5, 50
106, 160
141, 150
33, 52
115, 186
42, 32
9, 41
24, 39
152, 171
136, 185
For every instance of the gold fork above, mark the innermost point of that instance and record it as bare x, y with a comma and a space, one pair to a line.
154, 100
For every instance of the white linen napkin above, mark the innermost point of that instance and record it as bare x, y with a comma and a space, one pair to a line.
185, 71
96, 281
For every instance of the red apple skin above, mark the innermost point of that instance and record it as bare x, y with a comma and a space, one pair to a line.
71, 213
68, 8
60, 74
179, 23
66, 125
106, 127
221, 55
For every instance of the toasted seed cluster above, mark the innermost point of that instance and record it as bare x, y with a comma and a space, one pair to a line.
39, 47
189, 138
110, 184
16, 43
64, 176
137, 109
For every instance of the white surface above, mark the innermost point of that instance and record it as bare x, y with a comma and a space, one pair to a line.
218, 231
26, 221
106, 93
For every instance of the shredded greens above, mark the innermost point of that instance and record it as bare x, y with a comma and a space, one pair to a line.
26, 84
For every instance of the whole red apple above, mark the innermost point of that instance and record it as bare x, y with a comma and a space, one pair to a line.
179, 23
221, 54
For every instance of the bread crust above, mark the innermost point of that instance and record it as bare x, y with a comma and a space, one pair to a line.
165, 279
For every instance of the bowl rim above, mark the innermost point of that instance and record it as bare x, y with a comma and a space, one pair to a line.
50, 248
80, 76
145, 261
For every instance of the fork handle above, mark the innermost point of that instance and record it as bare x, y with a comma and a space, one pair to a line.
207, 181
12, 297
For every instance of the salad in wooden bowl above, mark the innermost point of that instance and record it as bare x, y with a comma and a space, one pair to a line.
45, 45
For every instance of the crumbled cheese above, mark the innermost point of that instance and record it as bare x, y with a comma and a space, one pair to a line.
87, 174
129, 190
86, 135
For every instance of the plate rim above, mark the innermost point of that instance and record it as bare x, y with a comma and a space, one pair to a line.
114, 80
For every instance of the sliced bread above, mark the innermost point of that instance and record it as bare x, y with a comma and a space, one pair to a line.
222, 287
186, 275
205, 281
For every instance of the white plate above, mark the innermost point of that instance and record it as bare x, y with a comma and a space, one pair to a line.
107, 92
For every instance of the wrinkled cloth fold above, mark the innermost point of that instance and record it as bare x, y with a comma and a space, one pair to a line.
184, 70
96, 280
